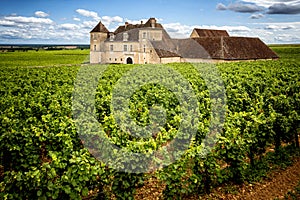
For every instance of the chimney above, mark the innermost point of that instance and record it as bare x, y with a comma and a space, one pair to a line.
153, 22
126, 24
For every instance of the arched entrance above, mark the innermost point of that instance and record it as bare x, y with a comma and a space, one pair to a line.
129, 60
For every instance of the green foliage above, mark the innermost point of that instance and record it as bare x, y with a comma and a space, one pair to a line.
43, 158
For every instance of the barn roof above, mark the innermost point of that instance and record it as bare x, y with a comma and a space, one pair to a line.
100, 28
185, 48
220, 48
236, 48
211, 33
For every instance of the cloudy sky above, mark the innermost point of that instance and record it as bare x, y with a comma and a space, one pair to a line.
70, 21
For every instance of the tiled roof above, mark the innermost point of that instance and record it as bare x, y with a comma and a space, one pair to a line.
185, 48
100, 28
236, 48
211, 33
165, 54
128, 27
243, 48
133, 35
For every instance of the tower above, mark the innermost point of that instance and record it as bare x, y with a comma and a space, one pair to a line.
98, 35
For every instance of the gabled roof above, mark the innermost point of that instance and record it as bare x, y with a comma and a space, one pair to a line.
211, 33
100, 28
243, 48
236, 48
185, 48
128, 27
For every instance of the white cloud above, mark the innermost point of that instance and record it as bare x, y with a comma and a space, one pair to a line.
32, 29
7, 23
88, 24
87, 13
287, 38
21, 19
221, 6
268, 3
107, 20
268, 6
256, 16
41, 14
278, 27
76, 19
69, 26
177, 30
240, 7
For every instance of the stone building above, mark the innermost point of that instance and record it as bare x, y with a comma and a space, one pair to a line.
149, 43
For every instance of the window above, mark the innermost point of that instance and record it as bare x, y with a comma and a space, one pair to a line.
116, 59
111, 37
125, 48
144, 48
144, 35
111, 48
94, 36
131, 50
95, 47
125, 36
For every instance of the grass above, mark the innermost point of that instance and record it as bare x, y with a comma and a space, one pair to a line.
75, 57
287, 52
43, 58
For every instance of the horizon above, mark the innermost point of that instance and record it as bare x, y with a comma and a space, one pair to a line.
70, 21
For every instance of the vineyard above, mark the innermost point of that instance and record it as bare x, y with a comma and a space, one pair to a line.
251, 114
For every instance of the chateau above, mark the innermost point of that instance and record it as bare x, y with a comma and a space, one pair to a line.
149, 43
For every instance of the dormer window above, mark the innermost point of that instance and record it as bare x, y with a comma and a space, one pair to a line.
125, 36
144, 35
111, 37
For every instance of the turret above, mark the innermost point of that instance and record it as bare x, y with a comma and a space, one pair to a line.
98, 35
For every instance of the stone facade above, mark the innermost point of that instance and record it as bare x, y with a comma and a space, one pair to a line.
150, 43
131, 46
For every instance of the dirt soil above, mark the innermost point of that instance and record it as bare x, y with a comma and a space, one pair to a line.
278, 184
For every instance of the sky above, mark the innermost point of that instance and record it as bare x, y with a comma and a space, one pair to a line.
70, 21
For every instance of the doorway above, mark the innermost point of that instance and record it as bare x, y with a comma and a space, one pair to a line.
129, 60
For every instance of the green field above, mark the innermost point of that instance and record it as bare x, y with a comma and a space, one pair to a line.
42, 156
43, 58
